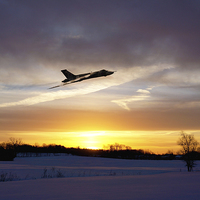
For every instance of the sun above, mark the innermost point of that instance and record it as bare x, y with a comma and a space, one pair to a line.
92, 140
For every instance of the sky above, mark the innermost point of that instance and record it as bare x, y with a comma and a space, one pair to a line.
153, 46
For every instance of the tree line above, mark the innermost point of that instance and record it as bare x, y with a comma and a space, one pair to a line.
9, 150
189, 153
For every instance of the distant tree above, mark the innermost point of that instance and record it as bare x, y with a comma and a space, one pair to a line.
8, 149
189, 146
3, 145
117, 147
128, 148
14, 143
170, 152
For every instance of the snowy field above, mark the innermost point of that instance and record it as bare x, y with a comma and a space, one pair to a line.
74, 177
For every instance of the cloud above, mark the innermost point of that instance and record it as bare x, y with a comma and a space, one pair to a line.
50, 96
144, 95
143, 91
139, 40
123, 102
189, 104
123, 33
120, 77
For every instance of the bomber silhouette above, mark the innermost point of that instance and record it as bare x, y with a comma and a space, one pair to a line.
72, 78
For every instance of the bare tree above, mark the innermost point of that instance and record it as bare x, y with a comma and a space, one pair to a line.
14, 143
117, 147
189, 145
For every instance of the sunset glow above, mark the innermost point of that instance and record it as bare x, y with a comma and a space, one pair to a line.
155, 141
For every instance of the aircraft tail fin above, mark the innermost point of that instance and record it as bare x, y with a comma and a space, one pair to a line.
68, 74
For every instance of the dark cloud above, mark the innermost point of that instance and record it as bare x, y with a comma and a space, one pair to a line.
123, 33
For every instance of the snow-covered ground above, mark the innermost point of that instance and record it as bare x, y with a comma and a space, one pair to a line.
74, 177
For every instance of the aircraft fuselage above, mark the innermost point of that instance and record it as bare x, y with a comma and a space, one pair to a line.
85, 76
72, 78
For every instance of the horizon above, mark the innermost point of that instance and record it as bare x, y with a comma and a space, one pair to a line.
153, 95
94, 140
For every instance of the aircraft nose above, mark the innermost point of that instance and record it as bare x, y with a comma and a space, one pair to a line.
110, 72
106, 72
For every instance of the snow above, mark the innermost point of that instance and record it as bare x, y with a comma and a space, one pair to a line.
98, 178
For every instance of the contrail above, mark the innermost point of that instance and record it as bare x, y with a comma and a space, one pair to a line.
50, 96
122, 76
